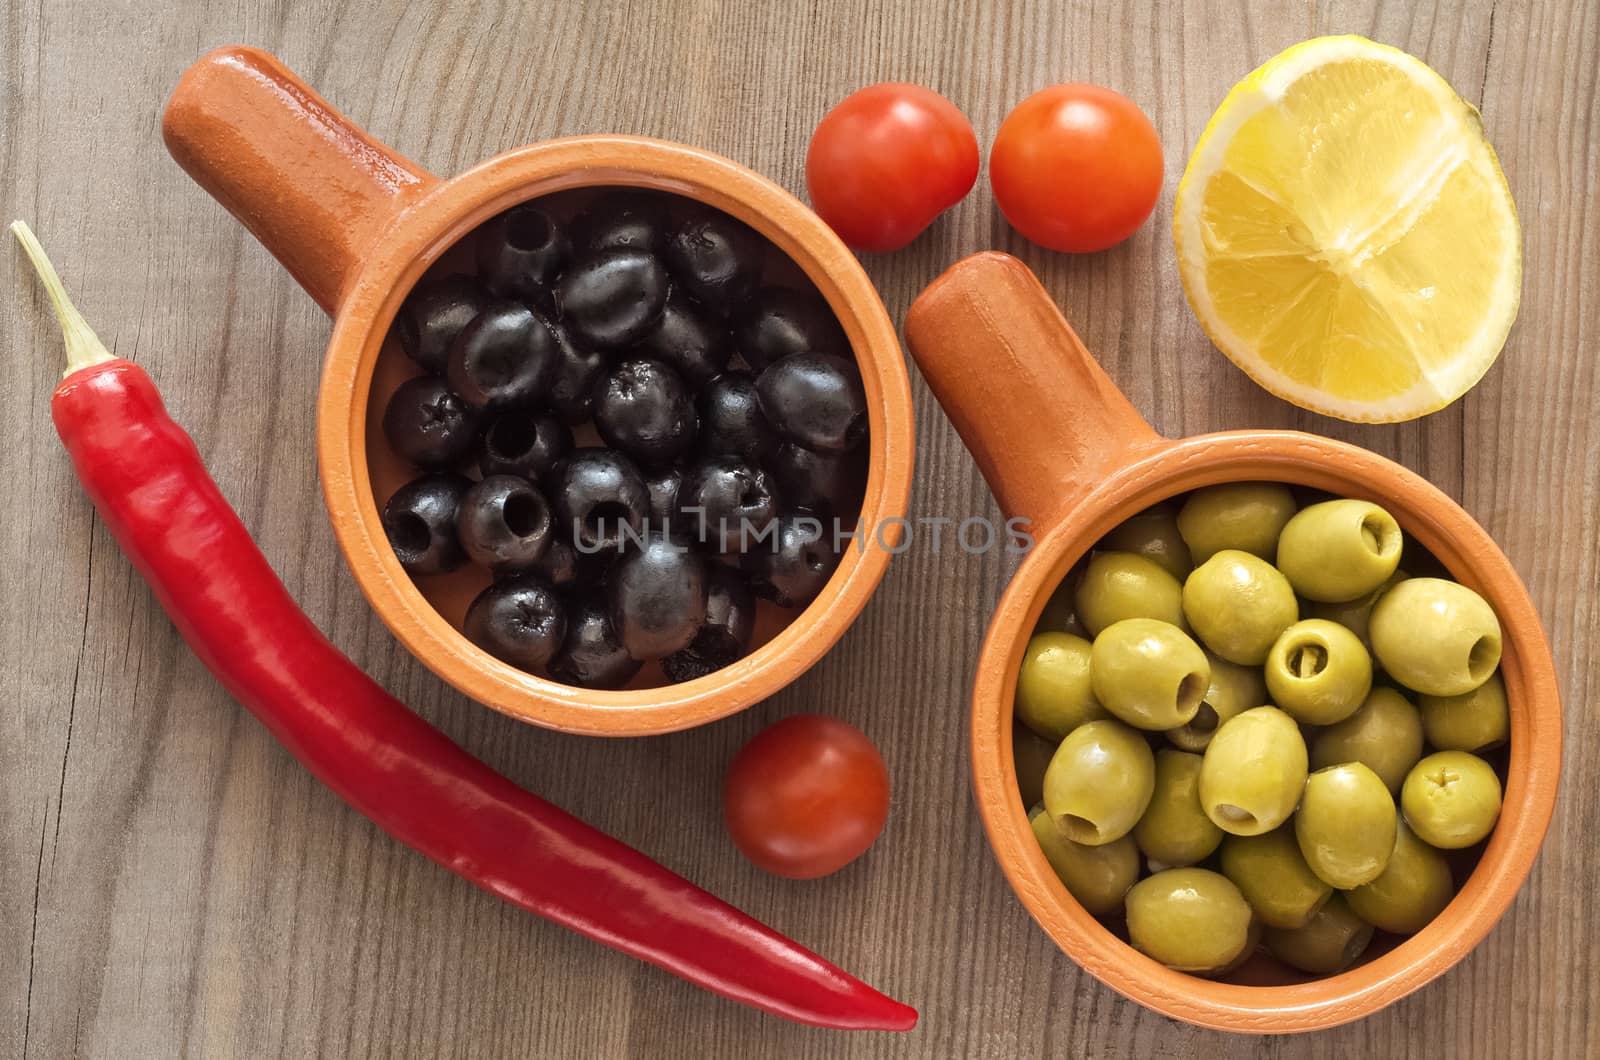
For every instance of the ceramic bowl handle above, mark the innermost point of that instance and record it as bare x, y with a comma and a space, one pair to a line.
310, 185
1042, 419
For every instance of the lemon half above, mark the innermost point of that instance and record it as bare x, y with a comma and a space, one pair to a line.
1345, 234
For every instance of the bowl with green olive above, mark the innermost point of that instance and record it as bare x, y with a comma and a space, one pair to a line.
1335, 760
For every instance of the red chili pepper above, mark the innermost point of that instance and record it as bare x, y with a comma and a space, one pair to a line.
148, 483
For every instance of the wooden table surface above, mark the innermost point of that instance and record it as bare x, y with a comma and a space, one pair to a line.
174, 884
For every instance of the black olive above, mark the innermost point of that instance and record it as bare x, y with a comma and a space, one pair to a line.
825, 482
521, 251
504, 524
420, 522
815, 400
629, 218
611, 298
559, 566
600, 499
689, 340
645, 410
433, 315
794, 562
657, 594
576, 380
731, 420
725, 503
520, 621
506, 356
724, 636
717, 259
519, 442
663, 489
429, 425
592, 656
781, 321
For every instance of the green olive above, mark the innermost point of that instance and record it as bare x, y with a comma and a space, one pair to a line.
1346, 825
1098, 877
1273, 876
1412, 890
1318, 672
1054, 693
1119, 585
1436, 637
1060, 614
1153, 534
1451, 799
1247, 516
1031, 753
1472, 721
1339, 550
1233, 690
1253, 772
1385, 735
1099, 782
1329, 942
1354, 615
1193, 920
1174, 830
1237, 604
1149, 673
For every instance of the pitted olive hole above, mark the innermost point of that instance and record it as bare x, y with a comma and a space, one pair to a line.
1204, 721
409, 533
1380, 536
494, 367
1483, 657
511, 437
528, 230
1307, 660
1190, 691
605, 520
1078, 829
524, 515
750, 496
1235, 814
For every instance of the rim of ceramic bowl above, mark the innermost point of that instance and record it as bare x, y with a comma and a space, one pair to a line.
1461, 545
428, 228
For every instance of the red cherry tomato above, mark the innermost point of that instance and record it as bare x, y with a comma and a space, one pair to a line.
806, 797
1076, 167
886, 161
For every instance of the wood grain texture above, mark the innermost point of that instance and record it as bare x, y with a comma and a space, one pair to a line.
173, 884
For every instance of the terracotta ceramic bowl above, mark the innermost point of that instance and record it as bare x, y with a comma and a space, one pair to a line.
357, 225
1061, 446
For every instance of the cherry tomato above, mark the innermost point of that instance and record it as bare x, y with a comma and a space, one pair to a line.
806, 797
886, 161
1076, 167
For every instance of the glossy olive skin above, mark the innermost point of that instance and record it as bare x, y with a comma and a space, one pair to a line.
429, 425
1413, 888
794, 561
778, 322
521, 251
1098, 876
612, 298
1246, 516
1436, 637
1339, 550
504, 524
575, 383
1385, 735
1193, 920
1232, 690
1330, 941
560, 567
1318, 672
645, 410
1149, 673
420, 523
592, 655
724, 636
1060, 614
725, 503
518, 442
716, 258
663, 487
433, 315
1153, 534
1273, 876
1473, 721
1345, 825
1099, 782
1253, 772
831, 483
520, 621
657, 592
1174, 830
1354, 615
1054, 694
815, 400
1237, 604
689, 340
1451, 799
731, 420
506, 356
1119, 585
599, 497
627, 219
1031, 754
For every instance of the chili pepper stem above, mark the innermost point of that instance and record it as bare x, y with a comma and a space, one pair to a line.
84, 347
